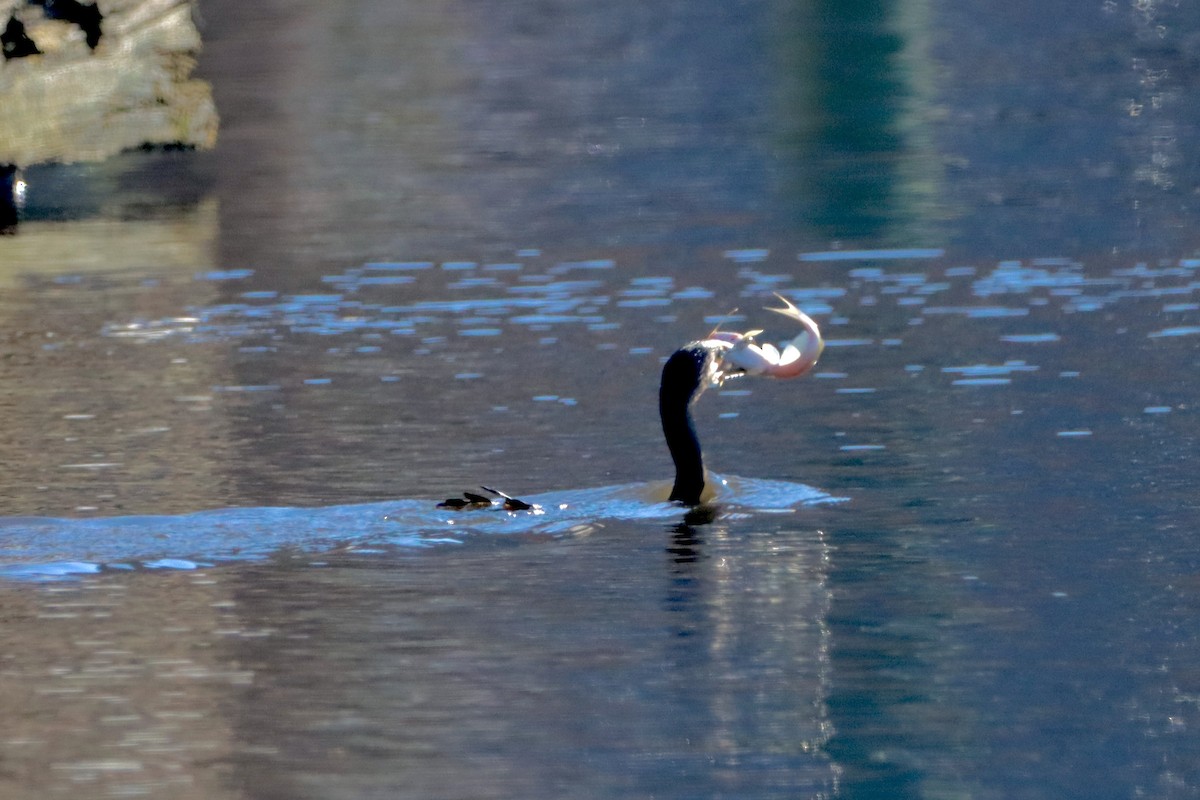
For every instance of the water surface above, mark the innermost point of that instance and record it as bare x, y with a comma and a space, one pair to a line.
440, 247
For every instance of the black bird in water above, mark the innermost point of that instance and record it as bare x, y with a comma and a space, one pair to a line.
688, 372
697, 365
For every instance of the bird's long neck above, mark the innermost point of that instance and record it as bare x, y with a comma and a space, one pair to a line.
680, 384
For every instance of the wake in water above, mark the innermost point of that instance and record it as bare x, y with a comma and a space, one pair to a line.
43, 548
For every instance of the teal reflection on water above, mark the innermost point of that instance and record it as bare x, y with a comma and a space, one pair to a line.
853, 110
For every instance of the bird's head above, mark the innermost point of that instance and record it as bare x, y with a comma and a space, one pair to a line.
694, 367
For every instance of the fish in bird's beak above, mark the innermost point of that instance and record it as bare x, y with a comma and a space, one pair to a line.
742, 355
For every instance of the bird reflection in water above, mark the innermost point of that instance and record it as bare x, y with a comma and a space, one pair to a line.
686, 550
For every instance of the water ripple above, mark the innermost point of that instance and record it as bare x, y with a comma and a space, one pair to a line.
42, 548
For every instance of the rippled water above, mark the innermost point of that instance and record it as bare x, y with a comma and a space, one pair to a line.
47, 548
448, 246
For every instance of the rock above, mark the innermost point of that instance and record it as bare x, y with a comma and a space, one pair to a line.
74, 101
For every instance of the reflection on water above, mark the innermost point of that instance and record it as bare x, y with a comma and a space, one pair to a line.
491, 670
854, 117
939, 557
452, 244
115, 688
545, 701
